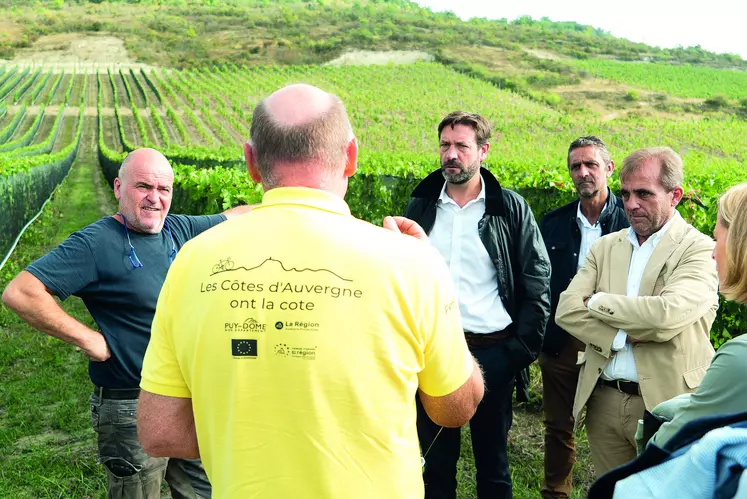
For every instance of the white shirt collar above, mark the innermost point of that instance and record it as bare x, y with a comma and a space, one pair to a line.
656, 236
444, 198
582, 218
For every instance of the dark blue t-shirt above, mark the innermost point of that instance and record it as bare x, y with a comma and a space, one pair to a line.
94, 264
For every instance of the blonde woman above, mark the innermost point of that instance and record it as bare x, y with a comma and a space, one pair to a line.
724, 386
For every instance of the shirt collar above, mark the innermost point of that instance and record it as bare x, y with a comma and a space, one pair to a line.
305, 196
656, 236
582, 218
444, 198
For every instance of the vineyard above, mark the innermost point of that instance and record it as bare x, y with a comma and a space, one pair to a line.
199, 119
683, 81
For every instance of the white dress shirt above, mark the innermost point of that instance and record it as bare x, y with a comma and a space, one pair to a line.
622, 362
455, 236
589, 233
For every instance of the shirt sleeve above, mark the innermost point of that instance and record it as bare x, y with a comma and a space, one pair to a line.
193, 226
68, 268
448, 363
619, 342
720, 392
161, 373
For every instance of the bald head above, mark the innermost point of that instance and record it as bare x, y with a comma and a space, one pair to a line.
145, 158
298, 105
299, 128
144, 190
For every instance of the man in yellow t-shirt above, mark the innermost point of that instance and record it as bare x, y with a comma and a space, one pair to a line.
289, 343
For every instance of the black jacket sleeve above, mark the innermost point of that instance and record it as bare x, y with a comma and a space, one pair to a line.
531, 272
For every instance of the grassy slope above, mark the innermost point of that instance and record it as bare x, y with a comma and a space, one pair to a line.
183, 33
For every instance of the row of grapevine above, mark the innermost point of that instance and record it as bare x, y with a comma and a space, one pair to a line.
199, 118
10, 83
684, 81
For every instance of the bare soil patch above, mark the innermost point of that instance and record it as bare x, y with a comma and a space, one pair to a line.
10, 31
373, 57
544, 54
69, 52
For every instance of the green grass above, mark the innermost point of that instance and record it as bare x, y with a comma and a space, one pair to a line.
48, 446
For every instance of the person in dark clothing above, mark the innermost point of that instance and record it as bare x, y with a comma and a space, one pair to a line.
493, 247
569, 232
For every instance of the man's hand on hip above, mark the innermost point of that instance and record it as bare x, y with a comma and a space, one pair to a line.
95, 348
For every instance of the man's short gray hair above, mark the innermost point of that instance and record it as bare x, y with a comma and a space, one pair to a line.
671, 175
593, 141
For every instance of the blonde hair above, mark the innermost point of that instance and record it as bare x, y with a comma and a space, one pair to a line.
732, 213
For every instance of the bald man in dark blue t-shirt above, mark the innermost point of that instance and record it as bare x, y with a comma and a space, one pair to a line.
117, 266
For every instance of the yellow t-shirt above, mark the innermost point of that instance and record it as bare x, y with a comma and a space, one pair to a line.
301, 335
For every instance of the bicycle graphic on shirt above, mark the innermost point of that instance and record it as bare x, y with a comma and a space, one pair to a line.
223, 265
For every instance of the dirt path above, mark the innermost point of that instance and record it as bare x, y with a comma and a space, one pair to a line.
137, 95
374, 57
152, 97
111, 133
59, 95
92, 91
124, 100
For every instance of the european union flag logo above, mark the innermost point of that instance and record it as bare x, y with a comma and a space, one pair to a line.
244, 348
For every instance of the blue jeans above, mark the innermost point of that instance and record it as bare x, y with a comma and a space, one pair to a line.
132, 474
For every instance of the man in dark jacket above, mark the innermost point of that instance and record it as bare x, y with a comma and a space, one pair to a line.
491, 242
569, 233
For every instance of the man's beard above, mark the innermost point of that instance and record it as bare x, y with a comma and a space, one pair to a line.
463, 176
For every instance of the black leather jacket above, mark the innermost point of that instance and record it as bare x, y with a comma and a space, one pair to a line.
513, 241
563, 239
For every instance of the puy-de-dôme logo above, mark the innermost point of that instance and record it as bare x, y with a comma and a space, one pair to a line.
251, 325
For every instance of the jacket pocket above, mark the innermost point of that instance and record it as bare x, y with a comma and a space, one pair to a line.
693, 377
553, 247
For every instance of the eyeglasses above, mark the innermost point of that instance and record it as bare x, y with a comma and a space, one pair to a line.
134, 260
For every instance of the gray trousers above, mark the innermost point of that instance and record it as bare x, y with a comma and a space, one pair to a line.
131, 472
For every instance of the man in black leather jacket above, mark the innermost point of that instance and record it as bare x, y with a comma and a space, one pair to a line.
569, 232
492, 244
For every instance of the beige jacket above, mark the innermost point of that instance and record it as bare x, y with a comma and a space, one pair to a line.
673, 313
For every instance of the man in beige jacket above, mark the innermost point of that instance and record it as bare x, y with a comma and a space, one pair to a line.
643, 303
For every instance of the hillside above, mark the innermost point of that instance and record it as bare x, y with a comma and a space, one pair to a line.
537, 58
